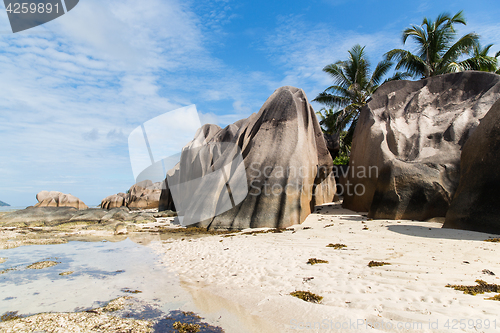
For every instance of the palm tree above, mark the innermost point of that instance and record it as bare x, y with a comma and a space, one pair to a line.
353, 84
496, 57
436, 53
480, 61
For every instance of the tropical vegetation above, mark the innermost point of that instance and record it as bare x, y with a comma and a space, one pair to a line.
353, 84
438, 52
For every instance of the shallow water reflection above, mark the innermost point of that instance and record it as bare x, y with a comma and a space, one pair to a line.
101, 271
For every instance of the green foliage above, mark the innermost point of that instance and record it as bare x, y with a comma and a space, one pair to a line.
343, 158
353, 85
437, 50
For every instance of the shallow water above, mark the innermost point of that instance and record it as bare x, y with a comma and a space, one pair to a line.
102, 271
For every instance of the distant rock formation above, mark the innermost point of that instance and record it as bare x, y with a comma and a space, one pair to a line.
405, 154
476, 204
286, 161
58, 199
143, 195
51, 216
3, 204
333, 144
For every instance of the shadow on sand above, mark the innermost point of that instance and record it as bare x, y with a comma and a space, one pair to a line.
429, 232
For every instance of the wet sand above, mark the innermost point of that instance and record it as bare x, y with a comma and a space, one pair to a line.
242, 281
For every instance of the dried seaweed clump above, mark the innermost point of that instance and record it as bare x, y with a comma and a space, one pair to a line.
313, 261
493, 240
307, 296
185, 327
131, 291
337, 246
494, 298
481, 288
273, 230
43, 264
10, 315
377, 263
113, 305
194, 231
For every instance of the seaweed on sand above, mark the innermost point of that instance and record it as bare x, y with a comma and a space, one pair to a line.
377, 263
313, 261
43, 264
307, 296
194, 231
337, 246
10, 315
481, 288
186, 327
493, 240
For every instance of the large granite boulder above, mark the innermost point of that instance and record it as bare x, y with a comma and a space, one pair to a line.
35, 216
285, 161
142, 195
115, 201
476, 204
333, 144
58, 199
405, 154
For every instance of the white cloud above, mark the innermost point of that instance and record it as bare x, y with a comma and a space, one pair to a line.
74, 88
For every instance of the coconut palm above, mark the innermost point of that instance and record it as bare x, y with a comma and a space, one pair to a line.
496, 57
437, 53
353, 84
480, 61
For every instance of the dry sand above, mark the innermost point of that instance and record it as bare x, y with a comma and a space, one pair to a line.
252, 276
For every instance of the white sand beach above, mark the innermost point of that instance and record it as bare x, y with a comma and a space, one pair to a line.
251, 276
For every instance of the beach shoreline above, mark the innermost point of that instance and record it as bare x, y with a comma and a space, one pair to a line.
254, 274
242, 280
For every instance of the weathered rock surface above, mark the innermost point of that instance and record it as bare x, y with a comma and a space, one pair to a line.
50, 216
115, 201
39, 215
286, 161
476, 204
406, 149
333, 144
58, 199
143, 195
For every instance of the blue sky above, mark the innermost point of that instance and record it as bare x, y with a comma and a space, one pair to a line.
73, 89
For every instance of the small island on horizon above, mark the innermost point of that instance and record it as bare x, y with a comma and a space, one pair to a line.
3, 204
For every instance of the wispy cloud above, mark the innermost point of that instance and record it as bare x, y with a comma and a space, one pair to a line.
74, 88
303, 50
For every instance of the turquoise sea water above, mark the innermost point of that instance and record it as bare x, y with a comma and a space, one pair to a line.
11, 208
